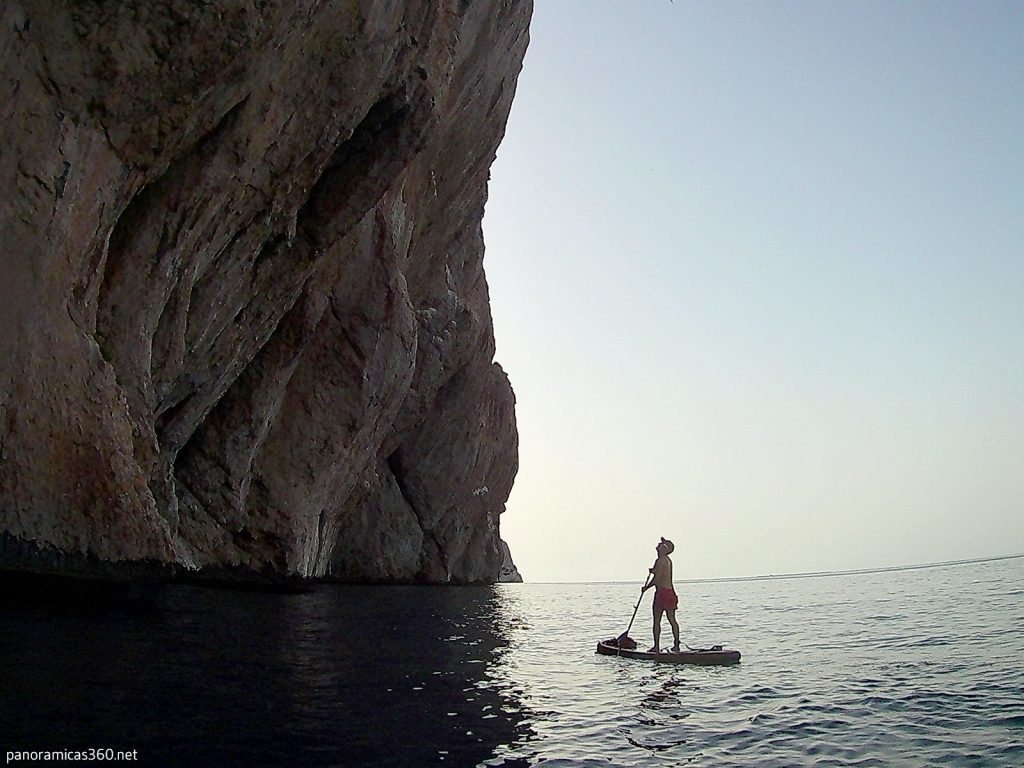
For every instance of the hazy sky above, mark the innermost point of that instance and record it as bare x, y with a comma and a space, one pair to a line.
757, 274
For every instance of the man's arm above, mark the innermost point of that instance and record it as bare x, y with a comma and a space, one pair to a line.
656, 571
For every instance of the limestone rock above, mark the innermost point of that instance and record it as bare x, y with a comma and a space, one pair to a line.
508, 573
245, 319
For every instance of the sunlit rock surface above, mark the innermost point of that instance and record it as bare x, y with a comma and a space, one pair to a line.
244, 317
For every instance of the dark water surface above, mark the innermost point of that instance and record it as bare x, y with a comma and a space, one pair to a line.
922, 667
200, 676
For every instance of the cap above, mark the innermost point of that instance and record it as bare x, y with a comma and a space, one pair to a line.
669, 546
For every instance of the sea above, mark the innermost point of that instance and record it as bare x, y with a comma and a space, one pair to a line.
905, 667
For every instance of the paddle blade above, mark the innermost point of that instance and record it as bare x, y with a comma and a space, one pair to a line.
625, 641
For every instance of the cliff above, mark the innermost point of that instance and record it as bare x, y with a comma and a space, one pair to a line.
508, 573
244, 321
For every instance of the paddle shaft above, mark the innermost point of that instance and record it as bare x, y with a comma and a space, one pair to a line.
636, 608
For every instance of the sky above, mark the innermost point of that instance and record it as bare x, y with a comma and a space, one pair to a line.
757, 278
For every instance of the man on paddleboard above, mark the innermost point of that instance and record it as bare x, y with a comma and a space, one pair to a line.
665, 599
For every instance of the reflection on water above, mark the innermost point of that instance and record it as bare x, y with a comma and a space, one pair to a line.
193, 676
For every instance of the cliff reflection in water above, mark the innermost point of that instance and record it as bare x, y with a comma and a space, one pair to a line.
340, 675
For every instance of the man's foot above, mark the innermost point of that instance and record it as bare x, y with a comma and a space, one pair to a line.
675, 649
654, 649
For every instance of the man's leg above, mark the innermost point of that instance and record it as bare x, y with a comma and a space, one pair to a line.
657, 629
671, 613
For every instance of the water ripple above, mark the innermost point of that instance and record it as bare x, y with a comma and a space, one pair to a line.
932, 678
887, 669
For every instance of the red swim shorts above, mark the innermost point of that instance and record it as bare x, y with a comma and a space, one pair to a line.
666, 599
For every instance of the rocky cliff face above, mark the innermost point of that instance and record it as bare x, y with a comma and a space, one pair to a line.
243, 317
508, 573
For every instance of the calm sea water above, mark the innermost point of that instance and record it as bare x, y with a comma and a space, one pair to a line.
917, 667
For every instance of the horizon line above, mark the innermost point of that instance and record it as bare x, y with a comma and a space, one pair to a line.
814, 574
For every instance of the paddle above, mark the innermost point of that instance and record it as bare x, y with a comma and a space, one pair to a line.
647, 583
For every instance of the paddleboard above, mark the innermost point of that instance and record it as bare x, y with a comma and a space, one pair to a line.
705, 656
